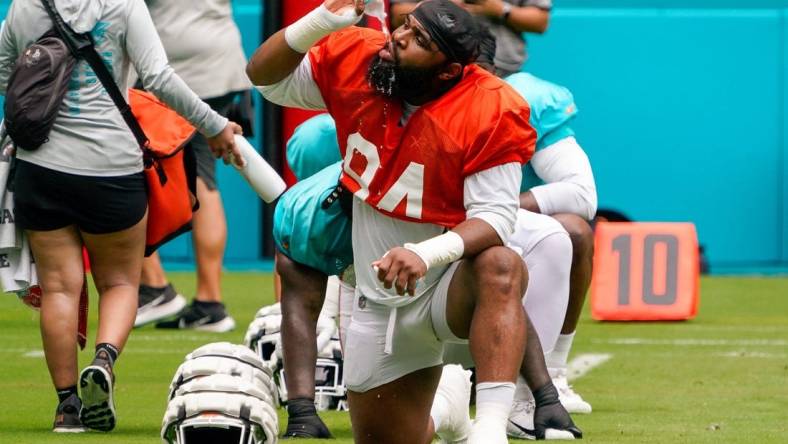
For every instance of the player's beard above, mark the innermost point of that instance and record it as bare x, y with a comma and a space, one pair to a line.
392, 80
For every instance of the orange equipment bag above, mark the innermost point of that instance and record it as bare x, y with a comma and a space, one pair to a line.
170, 170
645, 272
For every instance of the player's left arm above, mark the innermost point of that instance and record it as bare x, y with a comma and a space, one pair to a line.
491, 202
570, 185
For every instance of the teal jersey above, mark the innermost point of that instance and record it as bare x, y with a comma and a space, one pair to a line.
312, 235
313, 146
552, 109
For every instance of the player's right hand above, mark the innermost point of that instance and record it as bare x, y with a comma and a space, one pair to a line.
401, 268
341, 7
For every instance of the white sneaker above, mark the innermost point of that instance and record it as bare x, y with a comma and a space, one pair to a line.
487, 432
454, 394
521, 420
572, 402
155, 304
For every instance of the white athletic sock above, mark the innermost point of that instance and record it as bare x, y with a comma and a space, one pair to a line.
560, 354
493, 402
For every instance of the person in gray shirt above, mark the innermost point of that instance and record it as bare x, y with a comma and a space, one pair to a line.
507, 20
85, 187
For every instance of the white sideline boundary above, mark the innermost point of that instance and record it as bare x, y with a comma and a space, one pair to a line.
584, 363
695, 342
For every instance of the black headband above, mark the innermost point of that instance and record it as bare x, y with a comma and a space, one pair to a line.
453, 29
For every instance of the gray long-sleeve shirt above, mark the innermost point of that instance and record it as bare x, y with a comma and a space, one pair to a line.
89, 136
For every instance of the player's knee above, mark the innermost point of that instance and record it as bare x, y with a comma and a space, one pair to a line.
580, 234
501, 269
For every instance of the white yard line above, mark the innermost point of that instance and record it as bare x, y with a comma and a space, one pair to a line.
752, 354
34, 354
695, 342
584, 363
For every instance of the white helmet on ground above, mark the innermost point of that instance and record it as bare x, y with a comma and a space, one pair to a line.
227, 359
220, 409
264, 337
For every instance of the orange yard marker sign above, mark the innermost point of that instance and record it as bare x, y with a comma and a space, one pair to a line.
645, 272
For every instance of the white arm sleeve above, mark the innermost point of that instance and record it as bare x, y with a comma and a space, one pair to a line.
147, 54
492, 195
570, 186
298, 90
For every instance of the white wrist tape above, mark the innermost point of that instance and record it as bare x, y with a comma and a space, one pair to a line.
439, 250
319, 23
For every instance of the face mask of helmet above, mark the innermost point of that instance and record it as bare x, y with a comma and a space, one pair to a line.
211, 429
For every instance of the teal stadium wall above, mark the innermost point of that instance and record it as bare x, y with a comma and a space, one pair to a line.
683, 110
682, 113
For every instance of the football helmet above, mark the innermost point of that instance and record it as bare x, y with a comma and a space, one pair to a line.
264, 337
220, 409
227, 359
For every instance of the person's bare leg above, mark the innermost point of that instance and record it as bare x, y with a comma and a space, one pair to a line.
484, 305
116, 264
58, 256
397, 412
210, 238
303, 291
153, 274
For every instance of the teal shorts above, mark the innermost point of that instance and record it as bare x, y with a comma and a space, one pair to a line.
312, 235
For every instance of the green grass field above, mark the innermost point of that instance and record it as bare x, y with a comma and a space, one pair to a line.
722, 378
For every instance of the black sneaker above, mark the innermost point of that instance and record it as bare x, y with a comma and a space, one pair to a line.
67, 416
96, 384
157, 303
204, 316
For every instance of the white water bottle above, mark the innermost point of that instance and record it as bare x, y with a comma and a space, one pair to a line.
263, 179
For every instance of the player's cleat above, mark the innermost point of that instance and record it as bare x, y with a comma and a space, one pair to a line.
454, 395
156, 303
202, 316
487, 432
67, 416
303, 421
521, 420
573, 402
96, 384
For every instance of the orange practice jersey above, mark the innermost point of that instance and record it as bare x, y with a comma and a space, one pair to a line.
416, 172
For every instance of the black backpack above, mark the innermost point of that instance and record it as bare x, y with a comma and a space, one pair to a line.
39, 82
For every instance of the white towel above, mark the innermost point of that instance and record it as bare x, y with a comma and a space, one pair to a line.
17, 269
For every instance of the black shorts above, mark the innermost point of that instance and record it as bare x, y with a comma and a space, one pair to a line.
46, 200
206, 162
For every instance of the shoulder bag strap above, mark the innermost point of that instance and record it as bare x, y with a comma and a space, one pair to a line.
81, 46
